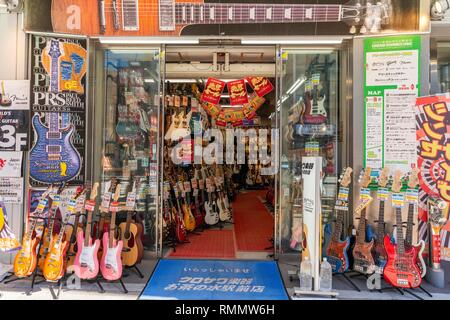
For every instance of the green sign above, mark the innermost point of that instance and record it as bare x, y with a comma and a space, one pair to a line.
391, 86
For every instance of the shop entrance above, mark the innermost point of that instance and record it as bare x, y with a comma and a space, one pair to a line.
218, 202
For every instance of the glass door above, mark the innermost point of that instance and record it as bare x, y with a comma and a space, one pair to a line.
308, 99
129, 151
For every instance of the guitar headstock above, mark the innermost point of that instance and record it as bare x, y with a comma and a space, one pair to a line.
413, 178
117, 193
397, 182
94, 191
364, 178
383, 179
54, 50
346, 177
370, 17
364, 204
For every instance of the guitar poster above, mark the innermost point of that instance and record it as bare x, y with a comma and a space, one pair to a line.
14, 114
58, 110
391, 86
432, 116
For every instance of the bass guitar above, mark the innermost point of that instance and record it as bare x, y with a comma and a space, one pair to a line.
111, 262
196, 207
380, 254
55, 261
26, 258
411, 198
131, 233
362, 252
401, 267
180, 229
336, 251
188, 217
85, 265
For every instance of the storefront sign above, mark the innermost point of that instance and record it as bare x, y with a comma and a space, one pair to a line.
390, 90
11, 164
11, 190
14, 114
433, 132
58, 104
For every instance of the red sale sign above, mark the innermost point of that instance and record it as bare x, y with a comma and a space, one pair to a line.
261, 85
238, 92
213, 91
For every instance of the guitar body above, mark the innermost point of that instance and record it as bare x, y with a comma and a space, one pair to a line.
197, 215
180, 230
188, 218
420, 262
224, 214
52, 171
363, 258
311, 117
211, 217
26, 259
401, 271
327, 234
336, 254
86, 261
148, 23
111, 262
55, 262
140, 244
45, 247
380, 254
131, 252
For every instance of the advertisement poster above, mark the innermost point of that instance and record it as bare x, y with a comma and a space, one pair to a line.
391, 86
432, 114
11, 190
14, 114
11, 164
58, 105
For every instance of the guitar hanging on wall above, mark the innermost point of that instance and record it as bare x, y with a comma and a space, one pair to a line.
53, 157
169, 17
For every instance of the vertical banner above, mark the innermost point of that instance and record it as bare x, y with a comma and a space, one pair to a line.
58, 104
391, 86
14, 114
311, 171
433, 147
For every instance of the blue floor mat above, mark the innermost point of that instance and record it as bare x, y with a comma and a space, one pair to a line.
215, 280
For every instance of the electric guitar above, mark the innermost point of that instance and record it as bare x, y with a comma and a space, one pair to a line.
5, 101
211, 216
140, 17
85, 265
55, 261
180, 230
188, 217
380, 254
413, 181
131, 234
401, 267
111, 261
362, 252
53, 158
336, 251
315, 112
26, 258
197, 208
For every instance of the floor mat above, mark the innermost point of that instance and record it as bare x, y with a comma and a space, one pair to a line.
207, 244
253, 224
215, 280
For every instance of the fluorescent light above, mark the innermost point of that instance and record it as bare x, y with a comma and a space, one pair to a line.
304, 41
296, 85
146, 40
149, 80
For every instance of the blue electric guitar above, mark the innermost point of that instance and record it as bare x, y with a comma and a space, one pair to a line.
53, 158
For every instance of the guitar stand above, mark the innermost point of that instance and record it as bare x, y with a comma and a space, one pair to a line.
138, 271
348, 278
124, 289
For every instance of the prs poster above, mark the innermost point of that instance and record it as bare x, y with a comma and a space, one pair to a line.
14, 114
433, 147
58, 104
391, 86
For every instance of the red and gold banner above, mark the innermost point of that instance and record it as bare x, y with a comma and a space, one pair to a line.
261, 85
238, 92
213, 91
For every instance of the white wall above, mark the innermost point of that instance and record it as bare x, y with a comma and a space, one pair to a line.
13, 66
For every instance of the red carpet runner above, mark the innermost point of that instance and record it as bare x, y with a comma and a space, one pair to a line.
208, 244
253, 224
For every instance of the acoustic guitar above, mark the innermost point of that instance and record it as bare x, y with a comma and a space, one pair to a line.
362, 252
86, 259
169, 17
26, 258
130, 231
111, 262
401, 267
55, 261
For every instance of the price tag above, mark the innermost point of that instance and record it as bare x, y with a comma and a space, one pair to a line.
133, 165
56, 200
208, 183
131, 200
398, 200
194, 183
187, 186
41, 205
80, 202
106, 199
177, 101
412, 195
114, 207
175, 190
90, 205
382, 194
185, 101
364, 194
342, 200
195, 193
181, 186
201, 184
71, 205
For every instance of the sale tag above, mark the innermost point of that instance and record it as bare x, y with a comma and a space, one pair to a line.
90, 205
342, 200
187, 186
56, 200
250, 108
316, 79
131, 200
71, 206
114, 207
194, 183
106, 199
382, 194
208, 183
195, 193
80, 202
41, 205
398, 200
201, 184
213, 91
364, 194
177, 101
261, 85
238, 92
412, 195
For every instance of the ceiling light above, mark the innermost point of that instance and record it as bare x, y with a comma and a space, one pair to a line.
146, 40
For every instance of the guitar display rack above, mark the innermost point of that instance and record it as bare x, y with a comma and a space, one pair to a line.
35, 272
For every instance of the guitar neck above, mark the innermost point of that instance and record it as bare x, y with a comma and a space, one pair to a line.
400, 239
361, 238
380, 231
410, 224
231, 13
87, 235
338, 226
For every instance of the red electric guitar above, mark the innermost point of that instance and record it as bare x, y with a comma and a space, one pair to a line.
401, 268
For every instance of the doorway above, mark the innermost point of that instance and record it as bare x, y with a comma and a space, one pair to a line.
212, 206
